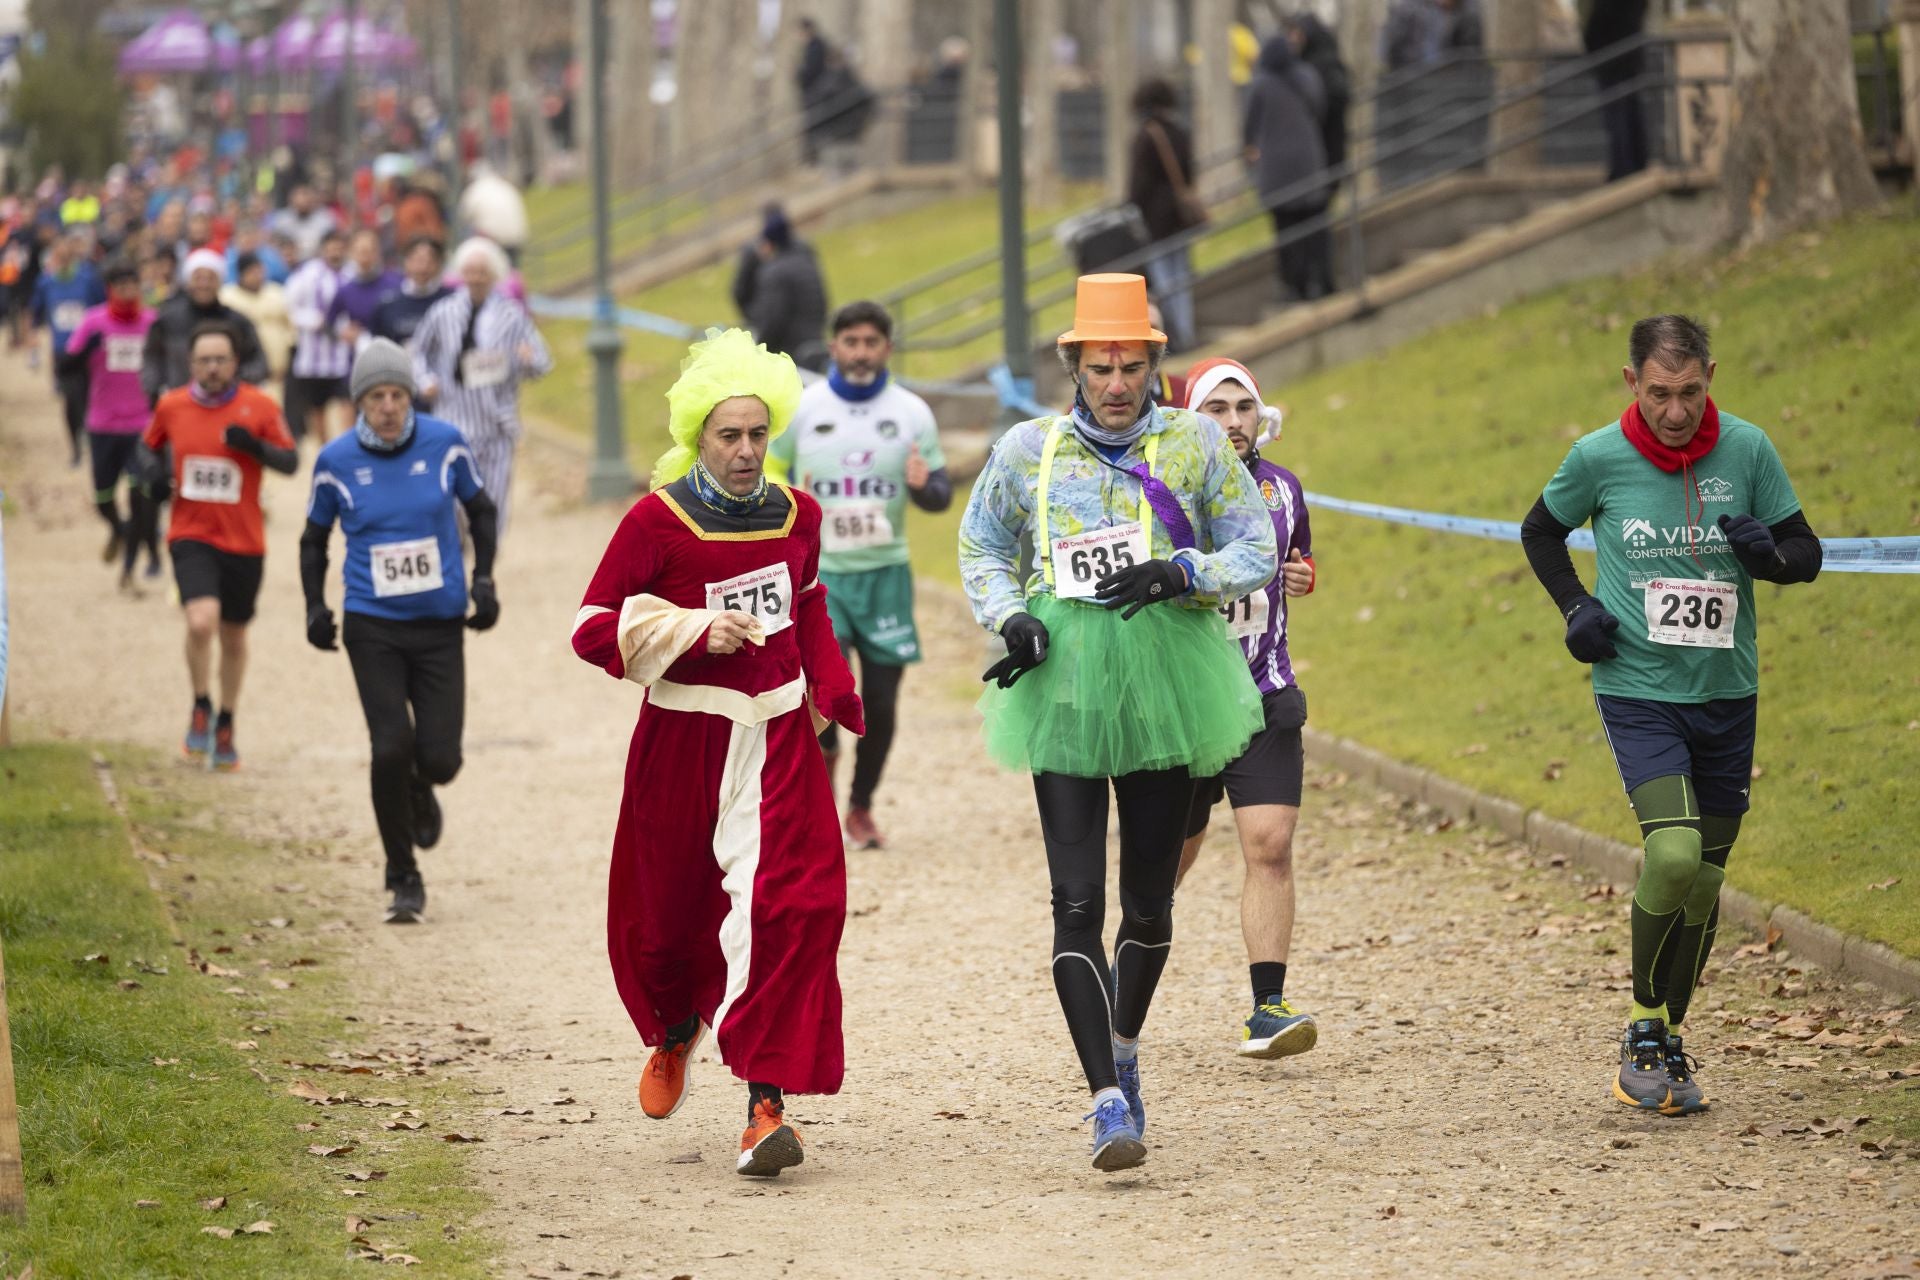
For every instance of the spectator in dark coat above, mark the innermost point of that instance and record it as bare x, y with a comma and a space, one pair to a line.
1421, 31
163, 363
1610, 23
1285, 104
1155, 192
784, 299
1317, 46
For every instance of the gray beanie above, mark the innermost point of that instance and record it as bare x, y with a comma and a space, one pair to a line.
381, 363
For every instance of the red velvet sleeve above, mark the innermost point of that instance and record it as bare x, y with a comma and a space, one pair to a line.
626, 569
820, 657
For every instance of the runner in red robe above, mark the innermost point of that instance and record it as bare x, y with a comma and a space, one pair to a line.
728, 886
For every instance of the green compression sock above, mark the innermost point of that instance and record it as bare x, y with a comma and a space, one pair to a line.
1693, 940
1670, 830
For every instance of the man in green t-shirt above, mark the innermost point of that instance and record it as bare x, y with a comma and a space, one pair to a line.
1689, 506
863, 445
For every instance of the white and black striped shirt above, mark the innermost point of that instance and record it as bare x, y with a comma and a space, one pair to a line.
486, 402
310, 291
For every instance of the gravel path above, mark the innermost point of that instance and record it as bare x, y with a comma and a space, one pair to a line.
1454, 1119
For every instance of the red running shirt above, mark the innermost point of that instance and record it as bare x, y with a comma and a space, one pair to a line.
216, 491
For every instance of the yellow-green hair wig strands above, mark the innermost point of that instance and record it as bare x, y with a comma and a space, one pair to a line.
725, 364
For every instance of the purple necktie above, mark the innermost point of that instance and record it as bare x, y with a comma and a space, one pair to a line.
1166, 506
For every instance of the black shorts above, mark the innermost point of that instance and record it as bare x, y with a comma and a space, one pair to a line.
1270, 771
1708, 742
112, 453
204, 570
303, 394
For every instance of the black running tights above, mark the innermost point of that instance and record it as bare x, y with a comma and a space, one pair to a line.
400, 666
1100, 1004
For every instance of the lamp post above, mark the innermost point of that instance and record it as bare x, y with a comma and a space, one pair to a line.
1018, 342
349, 119
609, 476
454, 108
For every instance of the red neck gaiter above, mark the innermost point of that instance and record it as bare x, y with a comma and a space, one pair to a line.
124, 309
1634, 427
1665, 457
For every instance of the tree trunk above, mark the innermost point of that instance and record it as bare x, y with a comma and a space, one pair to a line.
886, 55
1042, 94
713, 65
1513, 27
1119, 76
1359, 31
630, 94
1795, 153
1216, 105
975, 85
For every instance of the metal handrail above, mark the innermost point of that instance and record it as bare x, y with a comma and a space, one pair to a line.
897, 300
1327, 218
1330, 178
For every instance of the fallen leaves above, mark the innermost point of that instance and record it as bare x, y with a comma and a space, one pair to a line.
691, 1157
461, 1137
329, 1152
1884, 885
215, 1204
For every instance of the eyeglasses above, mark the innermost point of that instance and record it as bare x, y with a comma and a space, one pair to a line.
212, 360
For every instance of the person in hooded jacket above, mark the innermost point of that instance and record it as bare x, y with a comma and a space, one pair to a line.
1281, 135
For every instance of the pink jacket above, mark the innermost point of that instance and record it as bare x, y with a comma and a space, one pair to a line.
116, 402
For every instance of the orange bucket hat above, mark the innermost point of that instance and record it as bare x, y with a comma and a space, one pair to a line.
1111, 307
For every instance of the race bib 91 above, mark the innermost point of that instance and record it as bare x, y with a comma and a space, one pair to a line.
1248, 616
406, 568
855, 526
209, 479
1080, 560
1688, 612
766, 593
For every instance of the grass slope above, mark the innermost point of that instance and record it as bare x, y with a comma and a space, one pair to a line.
858, 261
174, 1090
1443, 650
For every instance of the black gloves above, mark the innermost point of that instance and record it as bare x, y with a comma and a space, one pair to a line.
1026, 638
486, 605
1589, 631
1139, 585
1752, 544
321, 632
241, 440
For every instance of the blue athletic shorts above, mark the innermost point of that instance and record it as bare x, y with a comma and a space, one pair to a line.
1708, 742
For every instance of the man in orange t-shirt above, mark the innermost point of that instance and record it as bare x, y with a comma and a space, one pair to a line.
221, 432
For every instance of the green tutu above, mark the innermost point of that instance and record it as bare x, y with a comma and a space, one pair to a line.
1168, 688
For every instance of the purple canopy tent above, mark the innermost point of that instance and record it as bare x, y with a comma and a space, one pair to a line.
370, 44
178, 43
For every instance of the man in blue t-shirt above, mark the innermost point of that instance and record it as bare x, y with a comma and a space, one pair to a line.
66, 288
393, 483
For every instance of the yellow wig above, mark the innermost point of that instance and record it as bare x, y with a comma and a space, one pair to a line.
725, 364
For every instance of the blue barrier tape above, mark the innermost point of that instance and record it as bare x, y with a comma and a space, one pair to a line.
1840, 555
626, 317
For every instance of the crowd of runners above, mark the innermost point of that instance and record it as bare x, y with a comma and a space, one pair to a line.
196, 341
1135, 555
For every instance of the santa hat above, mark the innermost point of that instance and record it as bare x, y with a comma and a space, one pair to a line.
1204, 378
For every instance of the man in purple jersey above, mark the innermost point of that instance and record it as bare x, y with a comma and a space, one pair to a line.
1263, 784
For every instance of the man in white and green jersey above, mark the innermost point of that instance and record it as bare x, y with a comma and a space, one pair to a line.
863, 445
1689, 507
